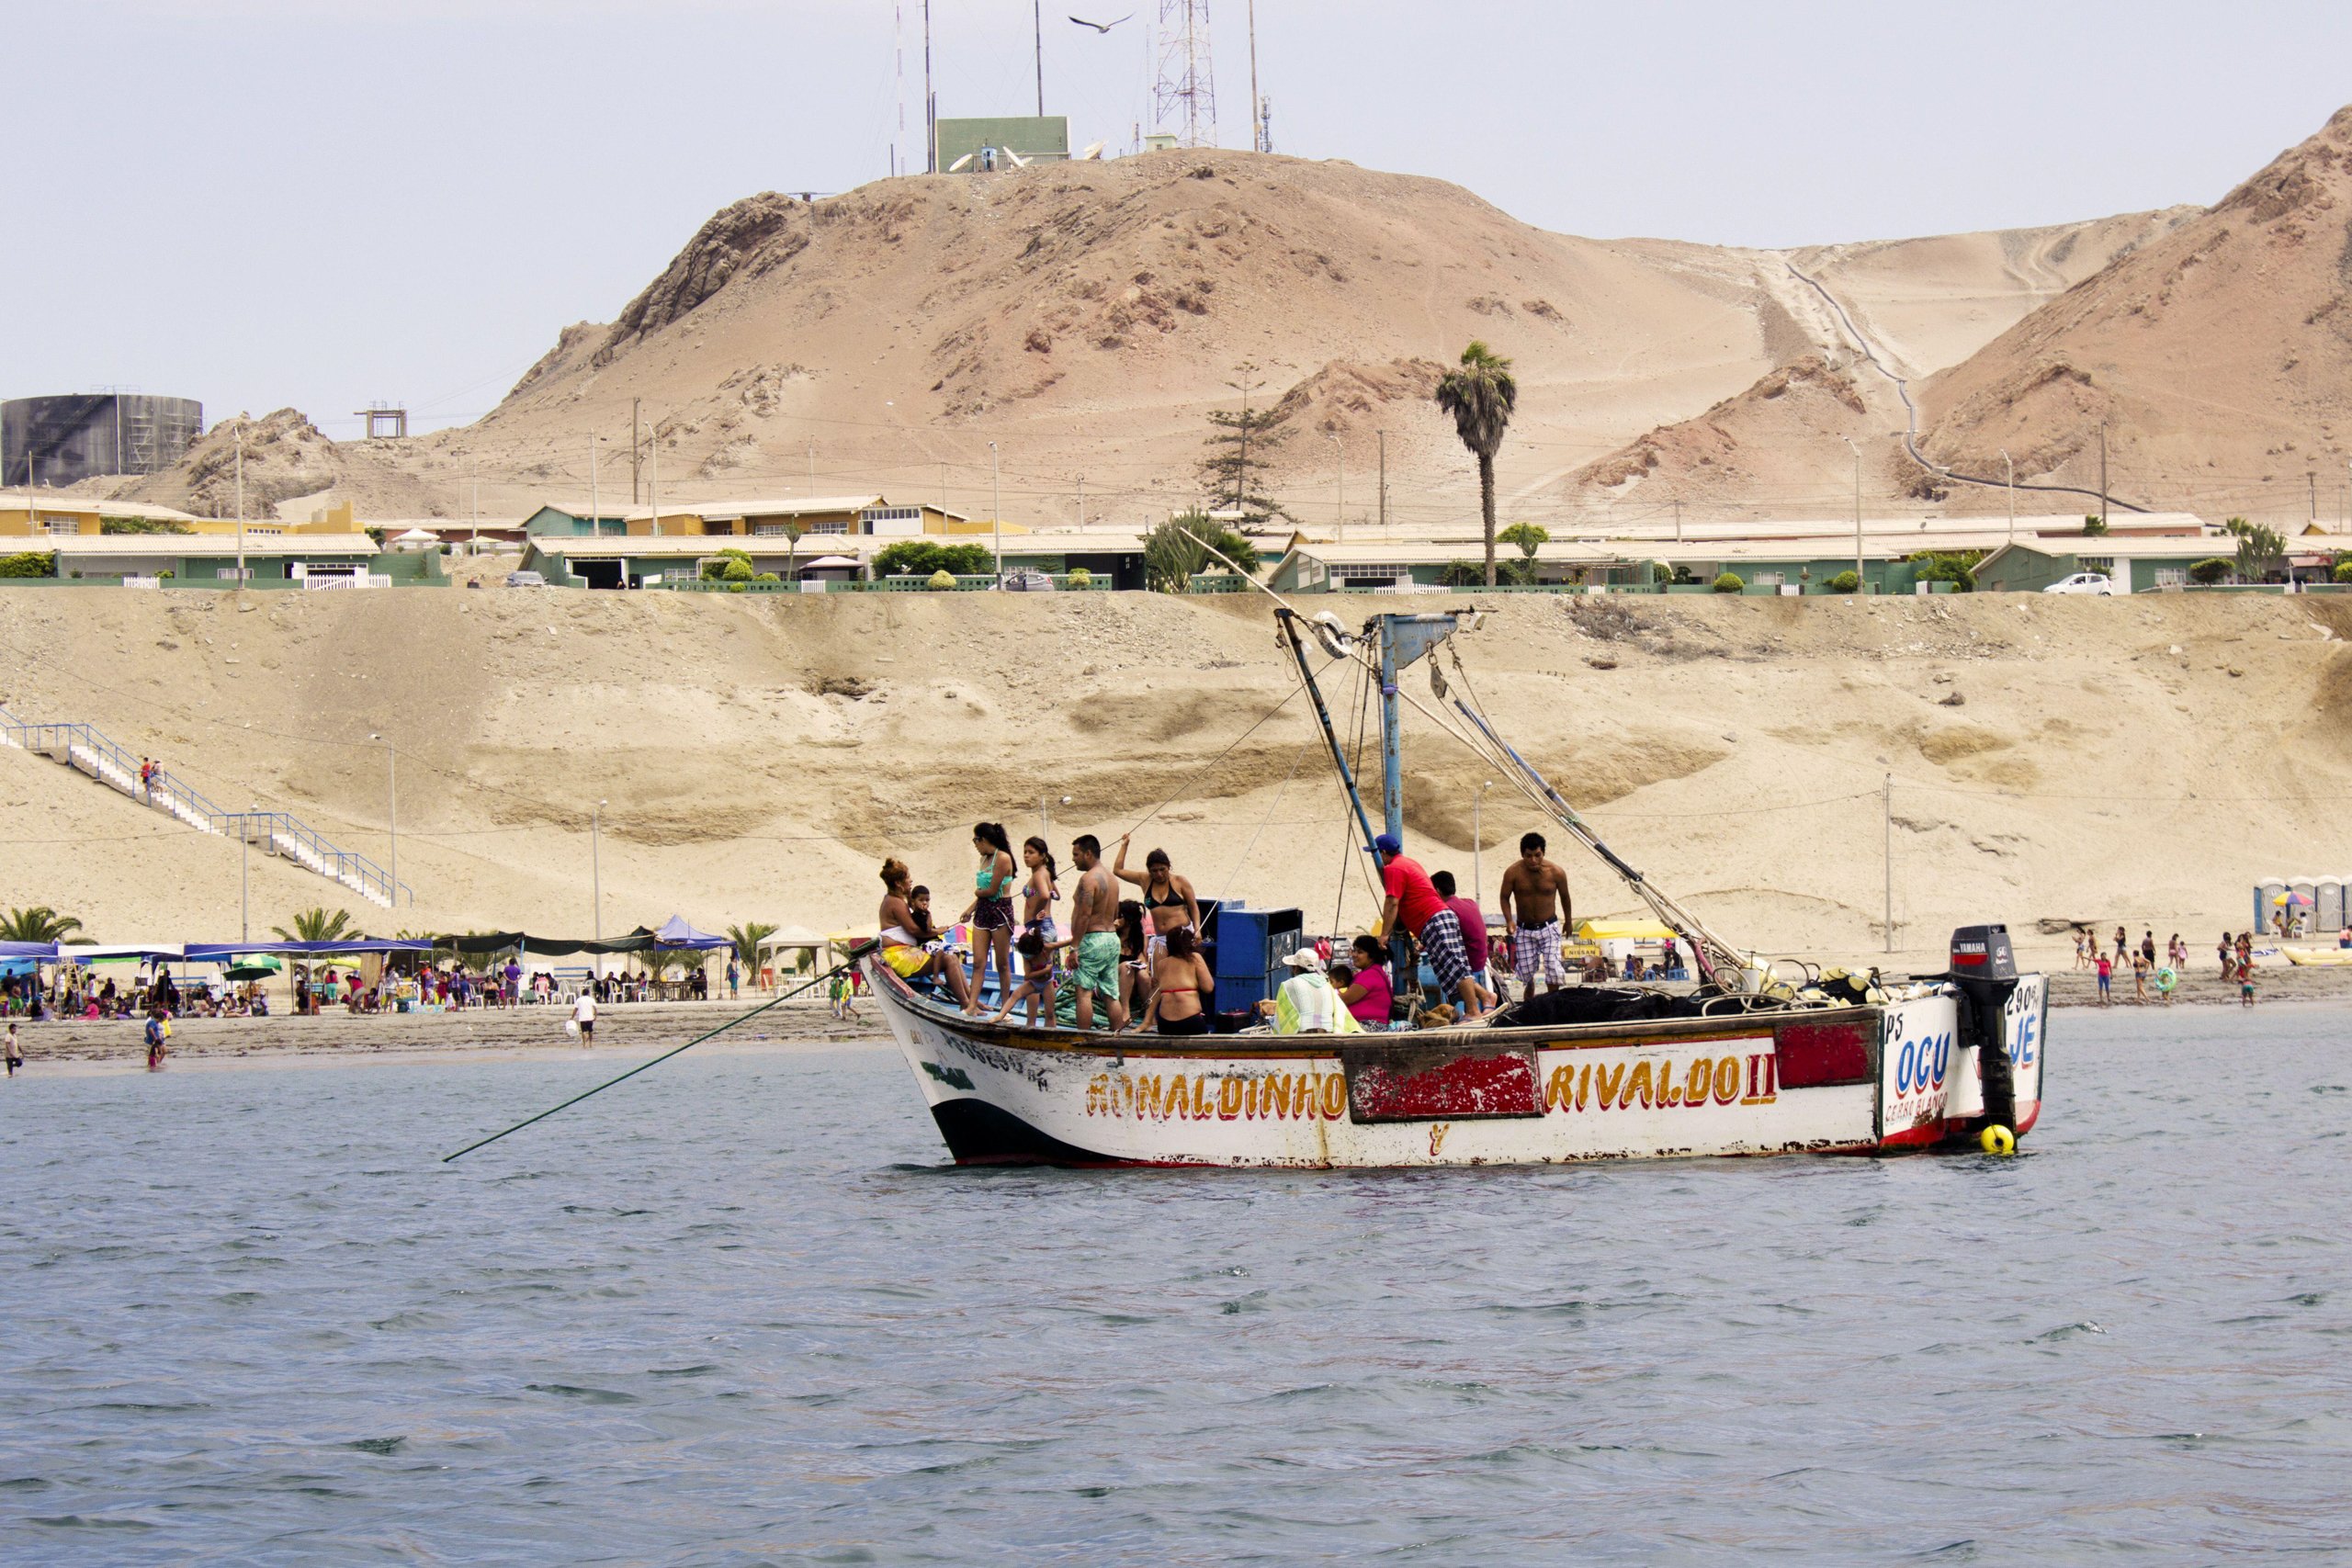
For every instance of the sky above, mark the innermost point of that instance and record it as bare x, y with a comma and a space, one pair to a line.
323, 204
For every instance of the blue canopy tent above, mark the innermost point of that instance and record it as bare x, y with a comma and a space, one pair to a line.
220, 952
38, 952
675, 932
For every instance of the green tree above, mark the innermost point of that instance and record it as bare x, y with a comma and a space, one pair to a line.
792, 533
1729, 583
146, 525
747, 937
40, 923
29, 563
314, 924
717, 568
1846, 582
2260, 549
1955, 567
1480, 395
2095, 526
2209, 570
921, 558
1461, 575
1527, 538
1178, 548
1236, 439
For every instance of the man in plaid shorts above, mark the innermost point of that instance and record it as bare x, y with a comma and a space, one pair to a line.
1412, 904
1536, 907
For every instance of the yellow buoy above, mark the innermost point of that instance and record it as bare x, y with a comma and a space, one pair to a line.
1997, 1140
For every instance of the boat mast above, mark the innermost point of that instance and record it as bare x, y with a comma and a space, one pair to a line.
1403, 639
1289, 618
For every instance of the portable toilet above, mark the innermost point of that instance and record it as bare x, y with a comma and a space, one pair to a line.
2307, 889
2267, 893
2329, 914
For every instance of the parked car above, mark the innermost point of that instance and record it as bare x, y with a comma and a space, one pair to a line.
526, 579
2083, 583
1027, 582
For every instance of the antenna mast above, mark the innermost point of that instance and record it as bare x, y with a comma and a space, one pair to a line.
1184, 99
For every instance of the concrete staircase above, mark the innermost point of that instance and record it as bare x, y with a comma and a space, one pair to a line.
90, 753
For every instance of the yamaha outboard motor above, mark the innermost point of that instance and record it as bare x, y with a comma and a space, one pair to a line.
1986, 971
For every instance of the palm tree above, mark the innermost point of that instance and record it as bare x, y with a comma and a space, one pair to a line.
792, 532
747, 937
1480, 396
40, 923
314, 924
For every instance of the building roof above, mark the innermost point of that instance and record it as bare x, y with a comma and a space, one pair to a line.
734, 509
46, 501
212, 545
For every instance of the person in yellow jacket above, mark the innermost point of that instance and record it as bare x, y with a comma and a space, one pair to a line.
1306, 1003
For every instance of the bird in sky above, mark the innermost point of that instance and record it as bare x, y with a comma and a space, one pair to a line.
1101, 27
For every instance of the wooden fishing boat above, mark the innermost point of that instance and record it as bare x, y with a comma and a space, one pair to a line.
1757, 1058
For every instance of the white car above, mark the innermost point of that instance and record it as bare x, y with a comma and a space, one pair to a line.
2083, 583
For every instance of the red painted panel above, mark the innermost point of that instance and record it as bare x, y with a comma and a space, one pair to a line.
1813, 1054
1405, 1085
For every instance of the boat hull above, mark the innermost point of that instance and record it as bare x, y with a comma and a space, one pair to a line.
1851, 1080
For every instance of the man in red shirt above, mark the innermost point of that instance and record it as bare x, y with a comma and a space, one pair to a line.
1412, 904
1474, 924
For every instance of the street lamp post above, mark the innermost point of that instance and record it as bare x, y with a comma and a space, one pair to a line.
996, 513
392, 795
596, 873
241, 503
2011, 470
245, 874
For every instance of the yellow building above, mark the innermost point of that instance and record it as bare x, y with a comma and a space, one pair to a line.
37, 514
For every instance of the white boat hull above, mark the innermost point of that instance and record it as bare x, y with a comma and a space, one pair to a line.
1860, 1079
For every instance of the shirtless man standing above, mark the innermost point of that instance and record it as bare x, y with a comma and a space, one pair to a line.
1536, 907
1094, 930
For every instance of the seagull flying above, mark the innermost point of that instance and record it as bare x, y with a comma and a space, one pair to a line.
1101, 26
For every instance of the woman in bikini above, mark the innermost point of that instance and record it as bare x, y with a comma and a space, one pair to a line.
990, 911
1168, 900
906, 926
1182, 984
1039, 938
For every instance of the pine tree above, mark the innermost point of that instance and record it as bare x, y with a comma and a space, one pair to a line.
1239, 445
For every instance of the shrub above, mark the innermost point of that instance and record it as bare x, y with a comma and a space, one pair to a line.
737, 570
768, 577
921, 558
2214, 568
1729, 583
1463, 574
1081, 578
2343, 572
1845, 582
2093, 526
29, 563
738, 588
721, 567
145, 526
1955, 567
1661, 573
165, 575
942, 578
1172, 552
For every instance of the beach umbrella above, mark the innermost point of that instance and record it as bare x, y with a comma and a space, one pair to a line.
2290, 899
252, 969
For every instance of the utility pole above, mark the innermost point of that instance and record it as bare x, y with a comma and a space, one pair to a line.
996, 513
1858, 511
240, 502
1383, 435
392, 763
2102, 476
636, 443
1037, 19
1339, 515
595, 512
1257, 138
2312, 479
1678, 519
2009, 471
1886, 802
245, 876
597, 875
1081, 501
929, 101
654, 477
812, 470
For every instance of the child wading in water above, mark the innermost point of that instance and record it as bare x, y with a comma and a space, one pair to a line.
2246, 988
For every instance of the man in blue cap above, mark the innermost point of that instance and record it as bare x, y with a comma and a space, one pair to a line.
1412, 904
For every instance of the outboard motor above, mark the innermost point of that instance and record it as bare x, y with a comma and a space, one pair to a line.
1986, 972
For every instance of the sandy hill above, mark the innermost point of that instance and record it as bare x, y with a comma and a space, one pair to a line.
762, 767
1085, 316
2219, 357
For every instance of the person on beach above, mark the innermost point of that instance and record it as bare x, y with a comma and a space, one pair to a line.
734, 978
2246, 954
2148, 947
158, 1031
1182, 986
2106, 978
1168, 899
2082, 958
2246, 988
1364, 986
907, 933
990, 911
14, 1050
1536, 909
1411, 898
1094, 935
584, 1013
2140, 964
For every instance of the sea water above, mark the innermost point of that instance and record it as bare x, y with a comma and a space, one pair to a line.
740, 1310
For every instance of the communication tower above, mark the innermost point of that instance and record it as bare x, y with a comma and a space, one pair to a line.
1184, 99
